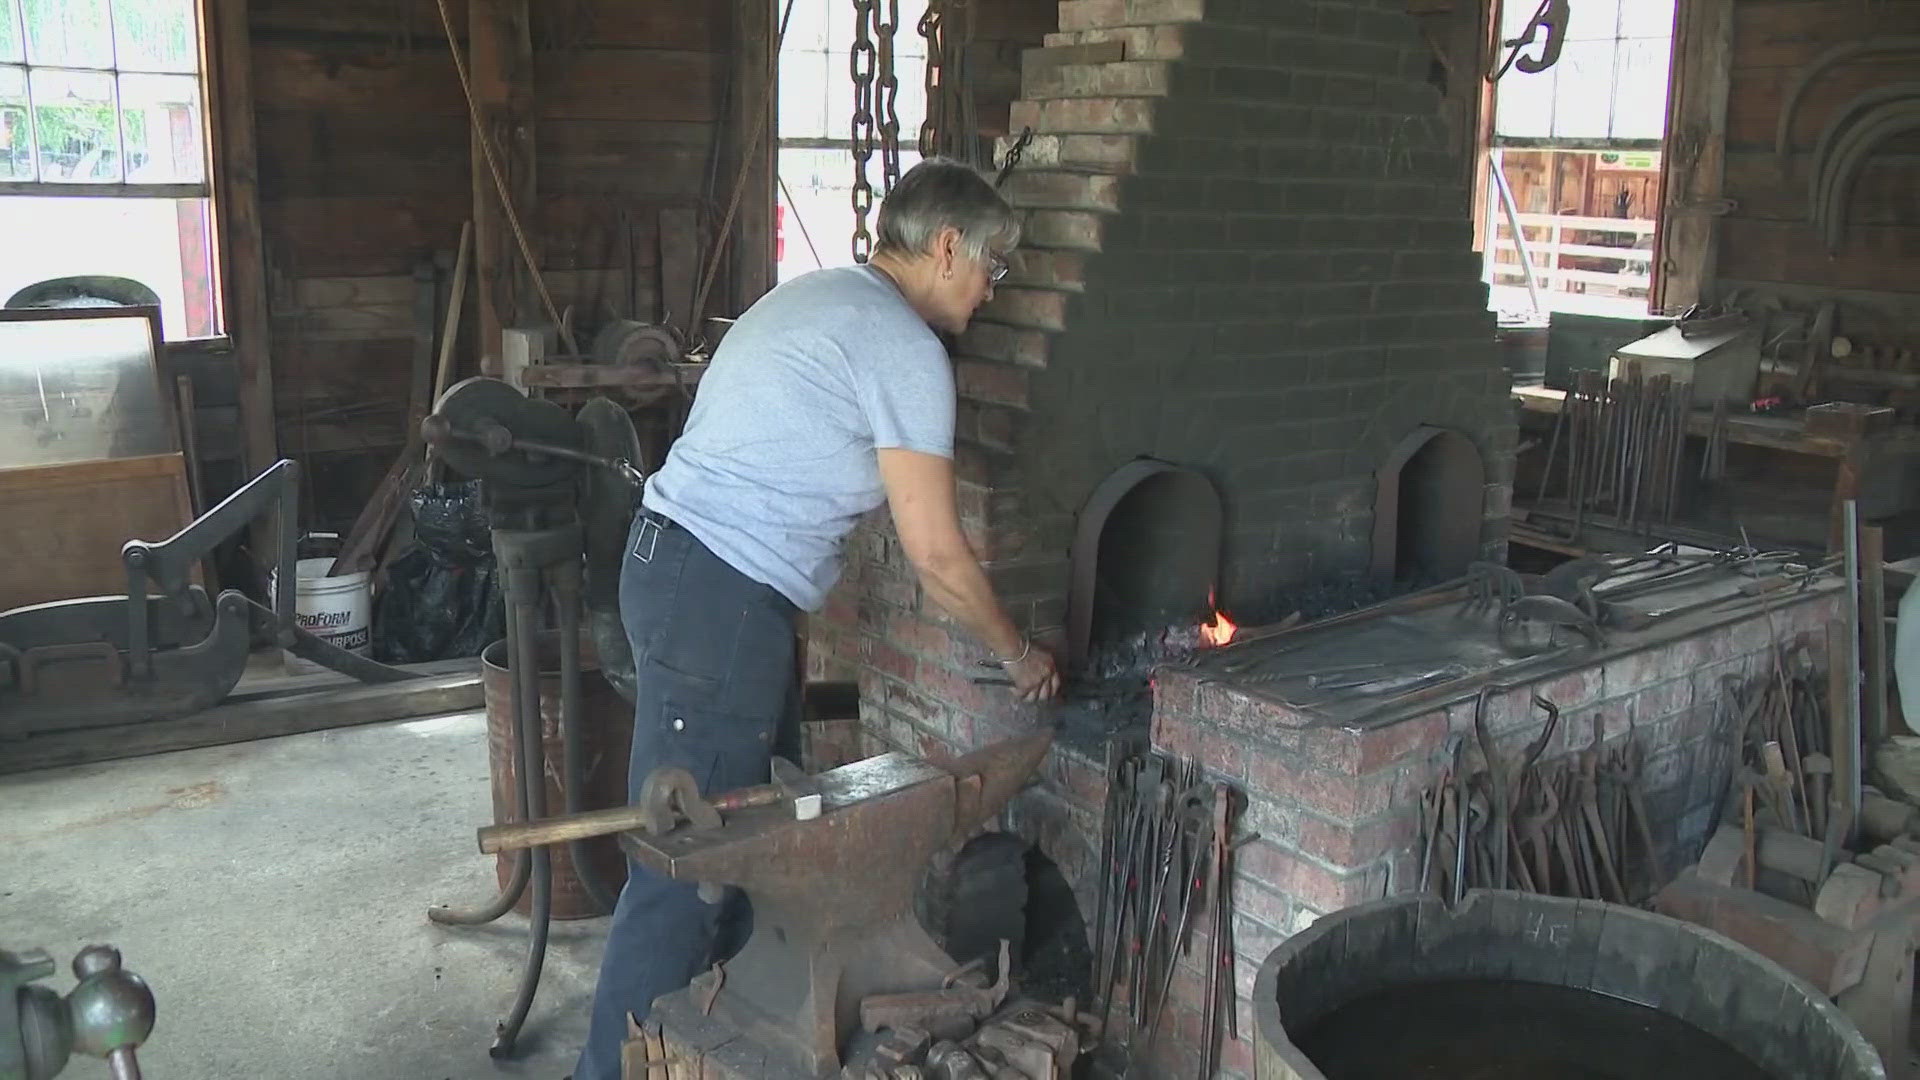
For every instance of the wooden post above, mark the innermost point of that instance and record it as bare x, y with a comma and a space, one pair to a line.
755, 28
1694, 162
236, 196
679, 263
500, 66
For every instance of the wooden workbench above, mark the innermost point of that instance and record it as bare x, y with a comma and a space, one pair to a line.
1787, 434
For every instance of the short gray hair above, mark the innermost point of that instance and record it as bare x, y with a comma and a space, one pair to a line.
940, 192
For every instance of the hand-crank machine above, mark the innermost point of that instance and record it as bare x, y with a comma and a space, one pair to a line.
100, 661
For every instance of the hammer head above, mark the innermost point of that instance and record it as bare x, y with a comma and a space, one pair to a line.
800, 788
670, 795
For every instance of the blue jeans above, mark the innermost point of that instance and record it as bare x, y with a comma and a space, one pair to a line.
717, 695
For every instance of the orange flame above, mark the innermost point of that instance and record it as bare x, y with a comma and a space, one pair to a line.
1219, 631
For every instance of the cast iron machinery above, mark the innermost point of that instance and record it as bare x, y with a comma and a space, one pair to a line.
101, 661
108, 1014
560, 493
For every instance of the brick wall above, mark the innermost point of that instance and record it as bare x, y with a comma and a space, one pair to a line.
1337, 808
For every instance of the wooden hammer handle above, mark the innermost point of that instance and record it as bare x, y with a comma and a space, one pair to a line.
514, 835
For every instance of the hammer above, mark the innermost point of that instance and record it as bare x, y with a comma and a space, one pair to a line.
668, 797
790, 784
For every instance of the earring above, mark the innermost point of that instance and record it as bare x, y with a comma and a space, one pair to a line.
948, 273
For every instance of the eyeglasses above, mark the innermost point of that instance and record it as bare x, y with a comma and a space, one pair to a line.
996, 267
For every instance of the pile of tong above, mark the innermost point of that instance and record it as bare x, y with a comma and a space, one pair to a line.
1576, 826
1166, 854
1626, 441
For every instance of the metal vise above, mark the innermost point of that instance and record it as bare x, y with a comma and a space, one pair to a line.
832, 897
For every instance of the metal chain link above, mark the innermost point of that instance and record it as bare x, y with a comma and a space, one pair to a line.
949, 130
888, 89
933, 29
861, 63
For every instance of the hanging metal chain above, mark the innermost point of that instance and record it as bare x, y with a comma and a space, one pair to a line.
949, 129
933, 29
861, 62
1018, 148
887, 89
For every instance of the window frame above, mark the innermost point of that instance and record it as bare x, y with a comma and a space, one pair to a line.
1677, 274
214, 187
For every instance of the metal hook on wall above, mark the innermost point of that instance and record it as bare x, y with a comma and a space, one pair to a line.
1549, 19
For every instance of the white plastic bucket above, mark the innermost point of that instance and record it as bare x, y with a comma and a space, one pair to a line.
337, 609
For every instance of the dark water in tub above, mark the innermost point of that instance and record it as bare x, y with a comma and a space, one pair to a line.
1499, 1030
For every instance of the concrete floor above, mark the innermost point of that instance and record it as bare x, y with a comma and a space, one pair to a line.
274, 894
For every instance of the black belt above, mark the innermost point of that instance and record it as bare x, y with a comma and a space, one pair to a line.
660, 520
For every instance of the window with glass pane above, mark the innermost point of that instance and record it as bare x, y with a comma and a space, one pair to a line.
816, 127
104, 98
1610, 84
1578, 148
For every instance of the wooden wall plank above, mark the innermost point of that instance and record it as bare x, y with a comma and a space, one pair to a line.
625, 84
383, 235
396, 24
1887, 192
1756, 93
1786, 251
643, 159
354, 78
332, 152
354, 235
660, 24
1788, 33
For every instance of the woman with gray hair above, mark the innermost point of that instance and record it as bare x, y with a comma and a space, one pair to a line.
830, 396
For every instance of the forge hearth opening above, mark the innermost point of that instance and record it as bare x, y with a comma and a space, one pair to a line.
1427, 507
1146, 556
1000, 887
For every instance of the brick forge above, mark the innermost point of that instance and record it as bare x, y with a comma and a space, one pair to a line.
1247, 253
1337, 807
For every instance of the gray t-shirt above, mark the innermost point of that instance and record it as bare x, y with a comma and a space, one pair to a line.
777, 461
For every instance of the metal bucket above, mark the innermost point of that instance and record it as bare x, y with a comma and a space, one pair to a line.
606, 735
1621, 957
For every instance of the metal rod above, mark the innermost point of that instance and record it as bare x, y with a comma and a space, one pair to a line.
1851, 511
523, 592
492, 909
1513, 223
122, 1064
566, 592
1553, 451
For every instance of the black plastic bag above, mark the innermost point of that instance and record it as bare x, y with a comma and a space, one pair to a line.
442, 596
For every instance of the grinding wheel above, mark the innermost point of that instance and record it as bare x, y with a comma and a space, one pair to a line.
628, 343
607, 504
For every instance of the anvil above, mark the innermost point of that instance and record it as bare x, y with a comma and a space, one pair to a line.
833, 897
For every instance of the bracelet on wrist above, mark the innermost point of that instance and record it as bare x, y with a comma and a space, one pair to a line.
1026, 649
